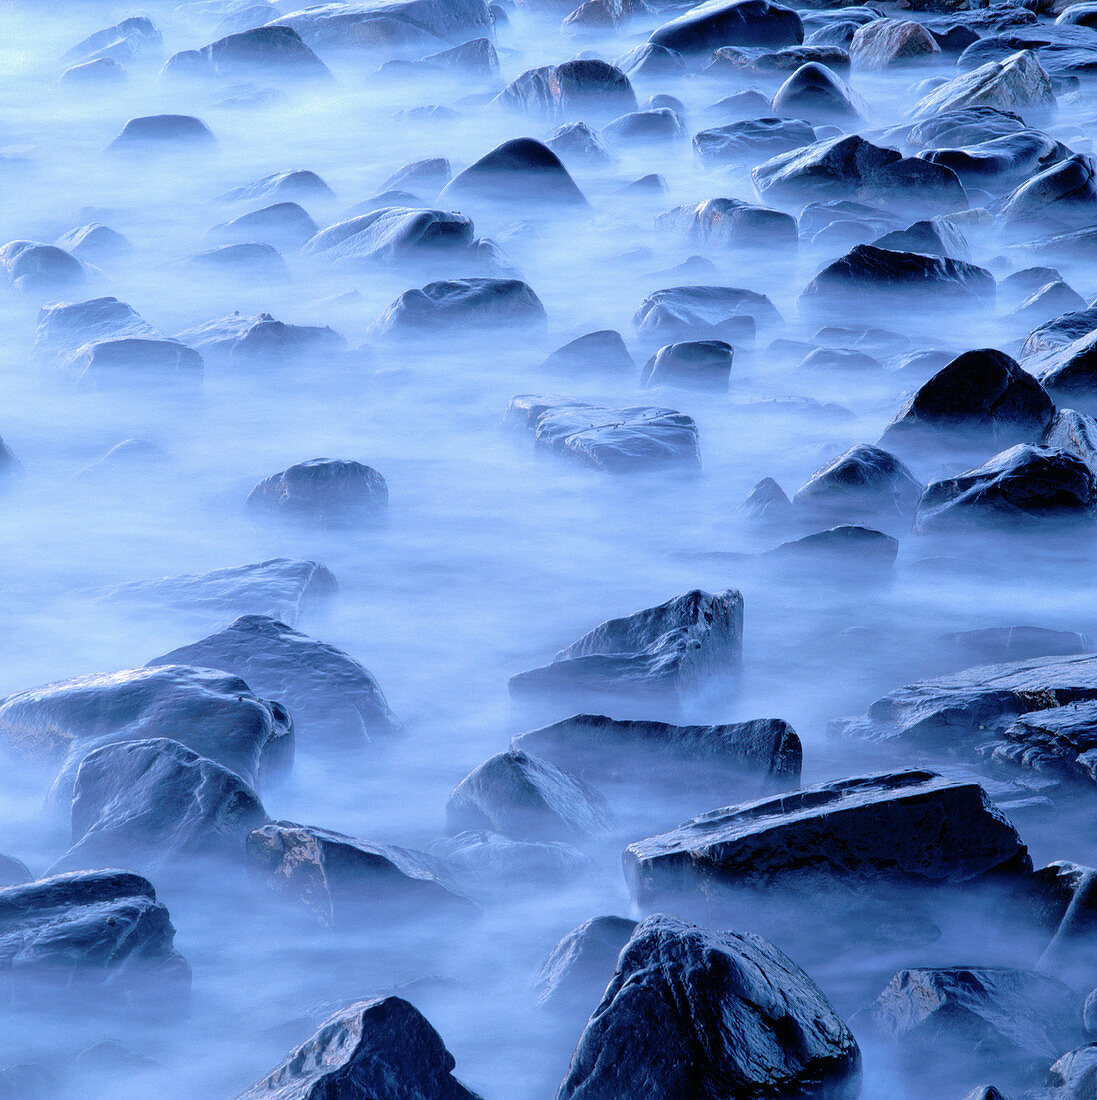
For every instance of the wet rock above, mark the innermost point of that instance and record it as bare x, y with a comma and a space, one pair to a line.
639, 127
1016, 83
95, 244
1064, 195
283, 225
731, 223
664, 652
454, 304
859, 549
476, 57
1073, 1075
887, 42
260, 340
743, 23
650, 60
690, 1009
526, 798
1056, 334
428, 176
131, 39
615, 440
597, 353
279, 588
603, 13
35, 270
576, 973
256, 261
93, 934
935, 237
758, 137
703, 312
577, 143
576, 89
999, 162
767, 500
520, 170
151, 133
1050, 301
815, 93
1022, 485
293, 185
1074, 432
981, 395
740, 106
259, 51
322, 492
1057, 742
383, 1048
345, 881
155, 803
910, 826
699, 364
394, 234
863, 481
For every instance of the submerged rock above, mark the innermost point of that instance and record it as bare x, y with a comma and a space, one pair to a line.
741, 23
698, 364
292, 185
261, 341
864, 481
322, 492
283, 225
586, 89
151, 133
35, 270
596, 353
576, 973
272, 51
520, 170
703, 312
394, 234
455, 304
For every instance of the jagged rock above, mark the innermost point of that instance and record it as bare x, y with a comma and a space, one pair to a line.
576, 973
1056, 334
1074, 432
93, 934
345, 881
911, 826
1073, 1075
730, 223
283, 225
616, 440
324, 688
816, 93
662, 652
260, 340
476, 57
697, 364
742, 23
153, 132
520, 170
1016, 83
272, 51
703, 312
1050, 301
324, 492
695, 1012
383, 1048
292, 185
886, 42
751, 138
584, 89
863, 481
602, 352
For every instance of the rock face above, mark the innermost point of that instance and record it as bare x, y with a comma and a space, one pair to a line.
1016, 83
886, 42
864, 481
576, 973
731, 223
744, 23
155, 803
576, 89
1023, 484
520, 170
617, 441
453, 304
326, 691
661, 652
273, 51
394, 234
98, 934
344, 881
383, 1049
323, 492
213, 713
981, 394
695, 1012
1069, 367
697, 364
911, 826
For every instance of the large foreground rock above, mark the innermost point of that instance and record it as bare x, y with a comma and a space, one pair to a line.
663, 652
381, 1049
1016, 83
326, 690
903, 827
692, 1012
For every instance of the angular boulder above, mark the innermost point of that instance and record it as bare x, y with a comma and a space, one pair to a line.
520, 170
584, 89
887, 42
576, 973
1016, 83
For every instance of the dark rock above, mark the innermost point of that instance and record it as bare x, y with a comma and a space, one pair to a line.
294, 185
520, 170
731, 223
616, 440
698, 364
652, 60
576, 973
155, 803
863, 481
1073, 432
740, 106
911, 826
324, 688
833, 34
323, 492
462, 303
742, 23
596, 353
854, 548
246, 261
930, 238
1016, 83
384, 1049
1064, 195
703, 312
345, 881
577, 143
1050, 301
283, 225
658, 125
261, 340
815, 93
886, 42
663, 652
999, 162
272, 51
35, 270
98, 935
1056, 334
153, 132
583, 89
757, 137
1058, 742
695, 1012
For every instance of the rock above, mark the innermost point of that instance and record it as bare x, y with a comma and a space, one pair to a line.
383, 1048
639, 127
294, 185
487, 863
869, 276
935, 237
1089, 1013
526, 798
576, 89
1056, 334
429, 176
279, 588
462, 303
1022, 485
982, 396
520, 170
325, 689
346, 882
156, 803
213, 713
130, 40
904, 827
1056, 742
475, 57
1073, 1075
662, 653
731, 223
13, 871
104, 72
1000, 162
615, 440
394, 234
596, 353
1064, 195
848, 547
98, 935
1074, 432
742, 23
838, 359
767, 500
271, 51
252, 261
751, 138
815, 93
323, 492
699, 364
695, 1012
1016, 83
703, 312
649, 60
283, 225
261, 341
152, 133
863, 481
36, 270
577, 143
1050, 301
591, 743
95, 244
136, 360
998, 644
887, 42
580, 966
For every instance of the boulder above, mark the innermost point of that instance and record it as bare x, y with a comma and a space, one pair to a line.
615, 440
657, 125
596, 353
101, 74
691, 1011
910, 827
132, 39
863, 481
255, 262
325, 689
929, 237
751, 138
283, 225
527, 798
1063, 195
93, 936
292, 185
662, 653
265, 52
151, 133
1000, 162
998, 644
650, 60
469, 304
576, 973
817, 94
718, 23
731, 223
344, 881
887, 42
383, 1048
1016, 83
95, 244
1055, 742
323, 492
577, 144
703, 312
493, 865
587, 89
1072, 1076
697, 364
393, 234
156, 803
518, 171
1057, 333
848, 547
1074, 432
261, 341
36, 270
767, 500
13, 871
